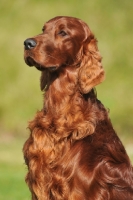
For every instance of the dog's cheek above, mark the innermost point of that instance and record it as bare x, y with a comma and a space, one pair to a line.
48, 49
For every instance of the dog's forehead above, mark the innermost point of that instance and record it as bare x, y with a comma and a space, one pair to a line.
64, 22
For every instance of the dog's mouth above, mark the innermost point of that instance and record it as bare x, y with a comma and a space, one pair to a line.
31, 62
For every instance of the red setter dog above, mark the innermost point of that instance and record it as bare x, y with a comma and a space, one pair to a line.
73, 152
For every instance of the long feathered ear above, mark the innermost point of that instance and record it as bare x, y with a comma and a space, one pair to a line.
91, 72
44, 79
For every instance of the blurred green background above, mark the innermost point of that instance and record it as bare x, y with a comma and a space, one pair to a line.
112, 23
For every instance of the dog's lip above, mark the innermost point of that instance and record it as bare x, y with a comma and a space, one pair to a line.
31, 62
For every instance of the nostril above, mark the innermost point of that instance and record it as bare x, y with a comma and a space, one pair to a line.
29, 44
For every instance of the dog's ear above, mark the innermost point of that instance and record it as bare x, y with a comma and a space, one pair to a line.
44, 79
91, 72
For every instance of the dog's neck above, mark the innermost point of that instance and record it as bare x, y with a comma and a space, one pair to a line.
61, 90
69, 111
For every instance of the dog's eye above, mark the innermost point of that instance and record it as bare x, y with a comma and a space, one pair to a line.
62, 33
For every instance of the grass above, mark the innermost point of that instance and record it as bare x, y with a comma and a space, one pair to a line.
111, 21
12, 170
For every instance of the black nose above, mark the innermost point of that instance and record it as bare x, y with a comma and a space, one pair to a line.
29, 44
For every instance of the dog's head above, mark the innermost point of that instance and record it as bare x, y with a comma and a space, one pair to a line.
64, 42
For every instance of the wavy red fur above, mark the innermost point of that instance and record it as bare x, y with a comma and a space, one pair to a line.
73, 152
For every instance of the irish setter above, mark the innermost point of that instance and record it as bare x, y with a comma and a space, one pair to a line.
73, 152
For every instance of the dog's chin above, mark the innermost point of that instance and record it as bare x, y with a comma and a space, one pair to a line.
42, 68
31, 62
39, 67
